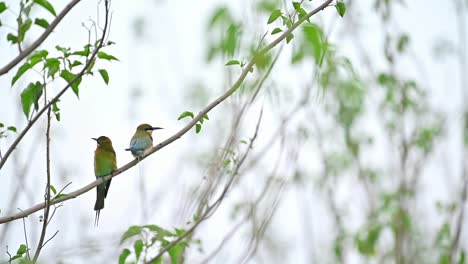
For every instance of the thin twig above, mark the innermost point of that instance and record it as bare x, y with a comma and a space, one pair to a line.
45, 219
26, 240
212, 208
171, 139
41, 39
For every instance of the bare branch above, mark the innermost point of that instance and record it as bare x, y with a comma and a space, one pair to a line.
45, 220
23, 54
212, 208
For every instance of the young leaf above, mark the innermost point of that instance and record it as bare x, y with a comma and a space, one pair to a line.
185, 114
56, 111
52, 188
289, 37
46, 5
104, 75
37, 57
206, 117
276, 31
132, 231
20, 72
175, 253
138, 246
274, 15
68, 76
23, 29
31, 96
12, 128
53, 66
340, 8
105, 56
21, 250
12, 38
197, 128
123, 256
41, 22
232, 62
296, 5
3, 7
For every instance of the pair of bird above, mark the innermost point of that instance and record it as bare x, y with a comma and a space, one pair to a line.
105, 161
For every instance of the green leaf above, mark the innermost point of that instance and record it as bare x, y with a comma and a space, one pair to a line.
175, 253
75, 63
110, 42
53, 66
23, 29
296, 5
197, 128
104, 75
206, 117
340, 8
60, 195
12, 38
68, 76
11, 128
85, 52
21, 250
20, 72
274, 15
46, 5
52, 188
315, 42
56, 111
138, 246
105, 56
30, 96
3, 7
41, 22
232, 62
289, 37
403, 41
131, 232
123, 256
231, 40
276, 31
185, 114
37, 57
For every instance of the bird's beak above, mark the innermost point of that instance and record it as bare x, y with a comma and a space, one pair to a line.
156, 128
95, 139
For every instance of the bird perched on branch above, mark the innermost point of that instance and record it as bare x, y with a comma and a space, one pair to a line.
104, 164
142, 141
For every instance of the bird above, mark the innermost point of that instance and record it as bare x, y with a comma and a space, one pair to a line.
142, 141
105, 163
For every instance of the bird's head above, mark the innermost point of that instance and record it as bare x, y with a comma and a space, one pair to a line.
147, 128
103, 142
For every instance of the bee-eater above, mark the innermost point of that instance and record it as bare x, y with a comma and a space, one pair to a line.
104, 164
142, 141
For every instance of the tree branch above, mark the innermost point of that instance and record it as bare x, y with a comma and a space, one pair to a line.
41, 39
45, 219
177, 135
77, 76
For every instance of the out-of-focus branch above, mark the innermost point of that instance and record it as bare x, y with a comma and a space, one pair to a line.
45, 219
177, 135
23, 54
212, 208
77, 76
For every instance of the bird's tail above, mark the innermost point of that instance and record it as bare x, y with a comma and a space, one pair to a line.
100, 195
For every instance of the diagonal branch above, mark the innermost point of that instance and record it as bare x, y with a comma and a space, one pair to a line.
177, 135
23, 54
77, 76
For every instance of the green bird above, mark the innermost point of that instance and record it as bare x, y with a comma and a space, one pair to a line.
104, 164
142, 140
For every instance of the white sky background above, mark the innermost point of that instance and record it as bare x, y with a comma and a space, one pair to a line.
165, 65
